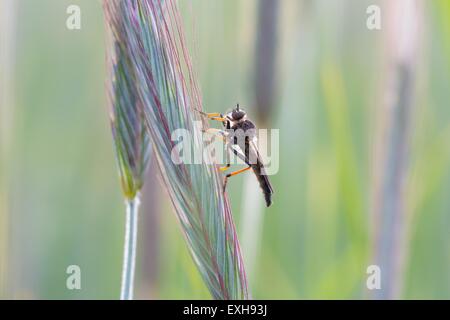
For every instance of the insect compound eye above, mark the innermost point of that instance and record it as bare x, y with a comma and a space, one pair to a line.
238, 114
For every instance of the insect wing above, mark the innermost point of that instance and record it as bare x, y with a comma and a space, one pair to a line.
253, 155
236, 149
260, 171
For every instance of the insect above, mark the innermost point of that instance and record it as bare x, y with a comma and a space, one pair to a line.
243, 146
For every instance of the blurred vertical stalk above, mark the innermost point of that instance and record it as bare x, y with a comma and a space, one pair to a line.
266, 46
150, 236
7, 45
265, 88
402, 30
129, 259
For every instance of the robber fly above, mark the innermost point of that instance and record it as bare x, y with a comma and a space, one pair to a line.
237, 121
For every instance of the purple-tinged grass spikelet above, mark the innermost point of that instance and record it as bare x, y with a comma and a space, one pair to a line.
150, 36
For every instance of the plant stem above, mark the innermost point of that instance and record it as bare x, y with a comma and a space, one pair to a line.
150, 221
129, 255
8, 14
392, 154
252, 221
265, 89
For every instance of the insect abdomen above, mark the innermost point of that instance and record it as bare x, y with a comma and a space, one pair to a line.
264, 182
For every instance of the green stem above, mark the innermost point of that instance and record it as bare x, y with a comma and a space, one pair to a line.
129, 256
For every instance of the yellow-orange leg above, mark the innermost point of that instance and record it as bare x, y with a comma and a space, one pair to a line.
218, 118
233, 174
216, 132
228, 165
222, 134
213, 116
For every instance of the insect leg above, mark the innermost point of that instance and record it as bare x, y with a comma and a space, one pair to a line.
215, 131
224, 135
239, 155
233, 174
213, 116
228, 165
222, 119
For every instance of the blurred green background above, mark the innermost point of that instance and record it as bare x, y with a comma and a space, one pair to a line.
61, 200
